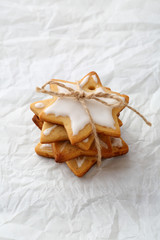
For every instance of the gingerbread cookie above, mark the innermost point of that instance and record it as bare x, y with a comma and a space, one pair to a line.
66, 133
79, 166
69, 112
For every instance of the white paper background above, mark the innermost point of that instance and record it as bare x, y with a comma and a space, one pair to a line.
40, 40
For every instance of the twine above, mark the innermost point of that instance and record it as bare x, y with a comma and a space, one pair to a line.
96, 138
81, 96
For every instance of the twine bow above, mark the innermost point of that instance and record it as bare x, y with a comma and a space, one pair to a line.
81, 96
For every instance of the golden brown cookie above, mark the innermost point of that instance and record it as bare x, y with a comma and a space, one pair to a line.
54, 133
64, 151
49, 134
69, 112
81, 165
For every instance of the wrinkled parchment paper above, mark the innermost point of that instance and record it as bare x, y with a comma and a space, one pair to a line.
40, 40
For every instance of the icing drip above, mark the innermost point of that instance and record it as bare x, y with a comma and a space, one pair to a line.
101, 114
116, 142
80, 161
85, 140
47, 146
63, 146
39, 105
47, 131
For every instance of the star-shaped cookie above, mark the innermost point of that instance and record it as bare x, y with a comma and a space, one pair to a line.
64, 151
70, 113
81, 165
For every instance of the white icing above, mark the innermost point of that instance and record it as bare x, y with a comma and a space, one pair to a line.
39, 105
116, 142
45, 146
84, 81
85, 140
80, 161
63, 146
47, 131
95, 78
101, 114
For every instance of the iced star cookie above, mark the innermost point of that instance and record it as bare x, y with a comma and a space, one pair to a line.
64, 151
81, 165
70, 113
44, 150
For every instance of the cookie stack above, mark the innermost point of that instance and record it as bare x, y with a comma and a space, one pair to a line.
66, 132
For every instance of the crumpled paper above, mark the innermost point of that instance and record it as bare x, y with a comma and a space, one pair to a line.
40, 40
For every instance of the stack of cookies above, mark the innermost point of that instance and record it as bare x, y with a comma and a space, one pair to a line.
66, 132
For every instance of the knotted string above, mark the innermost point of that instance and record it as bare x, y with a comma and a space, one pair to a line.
81, 96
